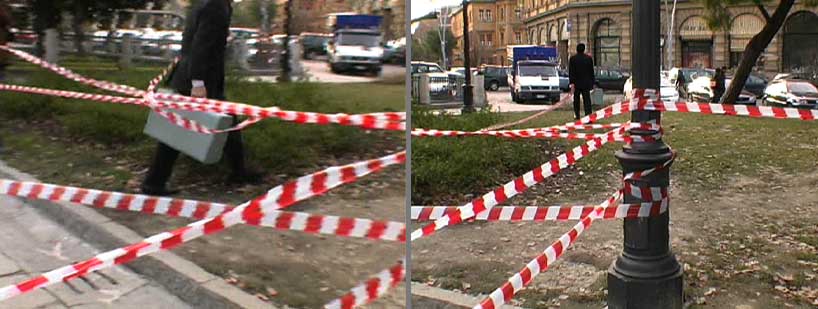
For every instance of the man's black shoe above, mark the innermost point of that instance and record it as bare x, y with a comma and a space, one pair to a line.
246, 177
158, 191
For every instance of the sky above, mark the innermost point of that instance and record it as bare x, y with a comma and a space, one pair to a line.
422, 7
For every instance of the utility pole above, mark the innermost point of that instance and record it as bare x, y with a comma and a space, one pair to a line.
646, 275
468, 100
285, 56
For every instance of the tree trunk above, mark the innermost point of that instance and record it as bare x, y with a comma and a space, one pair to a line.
77, 25
754, 49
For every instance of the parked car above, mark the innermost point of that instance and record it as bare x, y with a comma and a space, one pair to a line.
755, 84
791, 92
394, 52
700, 91
565, 84
667, 90
688, 75
314, 44
425, 67
243, 33
610, 79
494, 77
461, 71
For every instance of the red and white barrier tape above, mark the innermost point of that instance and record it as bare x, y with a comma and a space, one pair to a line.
516, 186
383, 121
371, 289
535, 133
363, 121
282, 220
250, 212
539, 264
542, 214
122, 89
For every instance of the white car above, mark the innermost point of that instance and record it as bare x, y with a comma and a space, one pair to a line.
791, 93
699, 91
667, 90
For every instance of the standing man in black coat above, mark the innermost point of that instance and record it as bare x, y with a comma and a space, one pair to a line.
581, 77
200, 73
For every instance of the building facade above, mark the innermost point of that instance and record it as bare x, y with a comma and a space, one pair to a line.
605, 27
493, 24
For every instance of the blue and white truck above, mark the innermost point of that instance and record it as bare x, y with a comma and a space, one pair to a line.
533, 75
356, 43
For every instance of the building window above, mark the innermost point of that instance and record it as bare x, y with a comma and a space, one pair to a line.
606, 44
517, 13
502, 15
518, 38
502, 38
488, 16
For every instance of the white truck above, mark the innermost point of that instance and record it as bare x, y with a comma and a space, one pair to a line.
533, 75
356, 43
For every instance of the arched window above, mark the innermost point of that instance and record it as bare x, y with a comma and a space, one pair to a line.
742, 29
606, 43
801, 42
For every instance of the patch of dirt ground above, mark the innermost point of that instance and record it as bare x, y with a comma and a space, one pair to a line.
286, 268
753, 244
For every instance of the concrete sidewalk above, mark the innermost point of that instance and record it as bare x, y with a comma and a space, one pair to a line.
31, 244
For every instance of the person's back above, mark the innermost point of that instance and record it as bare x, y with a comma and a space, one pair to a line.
581, 79
581, 71
207, 30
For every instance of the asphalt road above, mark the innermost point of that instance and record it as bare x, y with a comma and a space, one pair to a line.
318, 71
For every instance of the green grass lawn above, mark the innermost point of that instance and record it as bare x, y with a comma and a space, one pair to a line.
275, 145
711, 149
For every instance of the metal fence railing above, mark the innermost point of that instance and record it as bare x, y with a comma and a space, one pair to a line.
258, 57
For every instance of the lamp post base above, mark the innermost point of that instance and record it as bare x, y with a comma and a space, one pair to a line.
626, 292
468, 99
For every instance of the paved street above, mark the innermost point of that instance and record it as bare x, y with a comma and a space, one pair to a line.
318, 71
31, 244
500, 100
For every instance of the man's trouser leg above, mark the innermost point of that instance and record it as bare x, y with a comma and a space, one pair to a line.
577, 95
234, 150
586, 100
162, 167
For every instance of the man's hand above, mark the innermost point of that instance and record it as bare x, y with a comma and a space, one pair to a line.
198, 92
571, 86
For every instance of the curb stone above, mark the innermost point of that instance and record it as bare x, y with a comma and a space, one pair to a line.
429, 297
180, 277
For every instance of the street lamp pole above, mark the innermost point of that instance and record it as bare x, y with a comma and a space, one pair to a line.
468, 100
646, 275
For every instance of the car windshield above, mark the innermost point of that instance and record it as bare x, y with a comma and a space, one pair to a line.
537, 70
801, 88
362, 39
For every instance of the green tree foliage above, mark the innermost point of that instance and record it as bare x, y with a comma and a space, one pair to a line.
428, 47
248, 13
719, 18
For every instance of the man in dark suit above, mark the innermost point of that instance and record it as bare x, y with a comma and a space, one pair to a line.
200, 73
581, 78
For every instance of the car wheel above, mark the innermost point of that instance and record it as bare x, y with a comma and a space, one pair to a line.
494, 86
514, 97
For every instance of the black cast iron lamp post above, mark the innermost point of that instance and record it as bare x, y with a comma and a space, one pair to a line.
468, 100
646, 275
